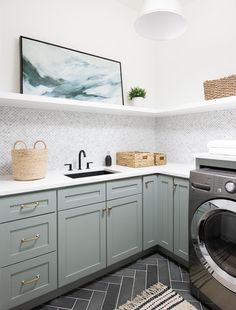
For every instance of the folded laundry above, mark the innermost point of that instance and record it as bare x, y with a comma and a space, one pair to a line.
222, 144
222, 151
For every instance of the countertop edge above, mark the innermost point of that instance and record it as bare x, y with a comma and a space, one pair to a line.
57, 180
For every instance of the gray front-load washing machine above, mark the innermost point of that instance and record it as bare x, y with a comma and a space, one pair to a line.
212, 244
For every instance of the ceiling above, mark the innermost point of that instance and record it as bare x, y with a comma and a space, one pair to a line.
133, 4
137, 4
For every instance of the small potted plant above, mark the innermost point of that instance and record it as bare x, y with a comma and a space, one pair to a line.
137, 95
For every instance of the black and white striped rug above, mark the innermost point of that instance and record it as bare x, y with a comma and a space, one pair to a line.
158, 297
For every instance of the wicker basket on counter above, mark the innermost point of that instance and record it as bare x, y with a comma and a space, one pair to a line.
220, 88
160, 159
135, 159
29, 164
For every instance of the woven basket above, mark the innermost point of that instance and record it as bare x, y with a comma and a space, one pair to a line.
135, 159
29, 164
160, 159
224, 87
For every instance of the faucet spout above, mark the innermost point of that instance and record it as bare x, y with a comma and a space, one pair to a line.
82, 152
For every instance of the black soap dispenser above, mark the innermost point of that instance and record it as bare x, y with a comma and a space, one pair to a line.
108, 160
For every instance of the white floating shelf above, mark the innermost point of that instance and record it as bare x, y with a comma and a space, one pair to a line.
227, 103
59, 104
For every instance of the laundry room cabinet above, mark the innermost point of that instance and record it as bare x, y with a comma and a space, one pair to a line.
98, 225
124, 228
172, 219
150, 211
181, 207
82, 242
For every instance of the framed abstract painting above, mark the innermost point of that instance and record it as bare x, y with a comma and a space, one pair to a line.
55, 71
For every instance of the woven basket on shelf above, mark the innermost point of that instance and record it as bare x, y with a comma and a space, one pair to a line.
29, 164
224, 87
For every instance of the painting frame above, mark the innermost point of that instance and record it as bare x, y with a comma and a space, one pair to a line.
116, 86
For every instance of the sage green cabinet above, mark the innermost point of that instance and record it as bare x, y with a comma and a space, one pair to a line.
165, 218
82, 195
123, 188
150, 211
92, 236
173, 201
27, 238
17, 207
81, 242
181, 205
27, 280
124, 228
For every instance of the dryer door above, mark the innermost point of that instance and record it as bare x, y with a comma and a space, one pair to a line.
213, 232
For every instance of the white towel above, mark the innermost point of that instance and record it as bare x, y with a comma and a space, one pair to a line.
222, 151
222, 144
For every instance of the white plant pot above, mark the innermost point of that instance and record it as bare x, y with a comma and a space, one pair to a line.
138, 101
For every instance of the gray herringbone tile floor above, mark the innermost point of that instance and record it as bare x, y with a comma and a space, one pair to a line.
115, 289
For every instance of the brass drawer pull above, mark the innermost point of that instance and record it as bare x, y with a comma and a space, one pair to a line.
147, 182
30, 205
103, 211
35, 279
36, 237
109, 211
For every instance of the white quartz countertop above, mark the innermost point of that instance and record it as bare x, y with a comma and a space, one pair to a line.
57, 179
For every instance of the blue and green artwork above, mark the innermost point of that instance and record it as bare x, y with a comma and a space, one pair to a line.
54, 71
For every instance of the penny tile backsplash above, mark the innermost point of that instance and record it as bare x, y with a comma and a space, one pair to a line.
66, 133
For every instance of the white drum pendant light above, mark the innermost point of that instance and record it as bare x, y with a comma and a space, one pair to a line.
161, 20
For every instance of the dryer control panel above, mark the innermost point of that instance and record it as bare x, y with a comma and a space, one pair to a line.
215, 180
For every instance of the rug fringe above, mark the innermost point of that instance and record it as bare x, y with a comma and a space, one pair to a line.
131, 304
148, 294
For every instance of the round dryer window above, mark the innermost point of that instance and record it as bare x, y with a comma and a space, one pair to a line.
213, 232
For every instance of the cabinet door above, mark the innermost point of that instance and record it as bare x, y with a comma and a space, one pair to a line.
27, 280
165, 220
149, 211
124, 228
81, 242
181, 203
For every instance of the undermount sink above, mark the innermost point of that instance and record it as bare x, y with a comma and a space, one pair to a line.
89, 174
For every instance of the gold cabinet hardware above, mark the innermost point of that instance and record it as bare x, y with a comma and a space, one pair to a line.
36, 237
35, 279
32, 205
103, 211
147, 182
109, 210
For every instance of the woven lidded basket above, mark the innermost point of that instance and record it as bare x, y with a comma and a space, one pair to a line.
29, 164
220, 88
160, 159
135, 159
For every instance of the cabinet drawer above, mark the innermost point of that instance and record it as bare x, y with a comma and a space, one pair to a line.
122, 188
27, 205
27, 280
27, 238
81, 196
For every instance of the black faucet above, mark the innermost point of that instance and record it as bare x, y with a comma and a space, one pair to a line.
80, 153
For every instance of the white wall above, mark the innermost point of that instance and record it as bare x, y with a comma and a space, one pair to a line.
206, 51
103, 27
